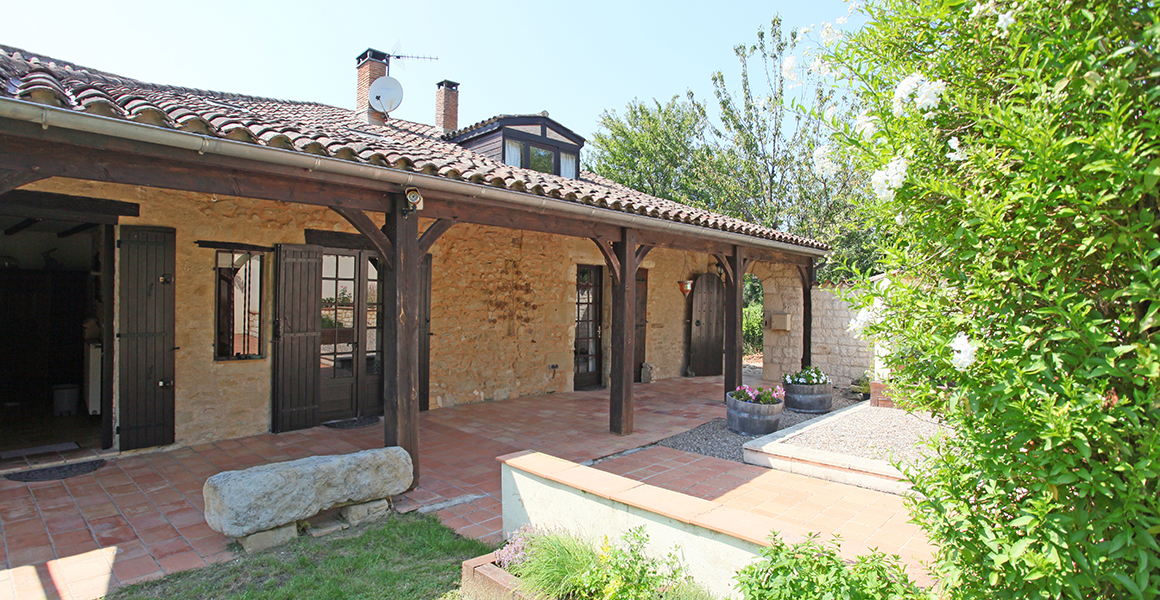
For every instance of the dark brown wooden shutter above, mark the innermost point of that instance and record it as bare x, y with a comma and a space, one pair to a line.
297, 336
147, 336
425, 333
641, 322
707, 336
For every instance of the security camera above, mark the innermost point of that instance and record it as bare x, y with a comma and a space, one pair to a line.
414, 198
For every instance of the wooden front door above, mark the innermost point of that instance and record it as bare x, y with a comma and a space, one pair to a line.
297, 306
641, 322
350, 363
707, 329
147, 334
589, 312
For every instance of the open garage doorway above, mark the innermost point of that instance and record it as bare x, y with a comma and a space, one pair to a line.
55, 306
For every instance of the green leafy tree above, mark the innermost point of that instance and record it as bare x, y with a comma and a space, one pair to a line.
768, 160
675, 137
1015, 153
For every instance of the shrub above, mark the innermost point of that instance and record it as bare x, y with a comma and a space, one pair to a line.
559, 564
1015, 152
811, 570
752, 336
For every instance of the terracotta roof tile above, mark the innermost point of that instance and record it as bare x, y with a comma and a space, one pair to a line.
330, 131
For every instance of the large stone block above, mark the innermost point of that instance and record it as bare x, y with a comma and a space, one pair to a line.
240, 503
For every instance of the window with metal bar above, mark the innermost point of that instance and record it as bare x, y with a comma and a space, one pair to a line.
238, 306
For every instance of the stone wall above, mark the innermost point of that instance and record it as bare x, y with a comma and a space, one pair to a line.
503, 306
781, 350
838, 352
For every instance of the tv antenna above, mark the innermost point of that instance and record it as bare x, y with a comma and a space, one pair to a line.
386, 93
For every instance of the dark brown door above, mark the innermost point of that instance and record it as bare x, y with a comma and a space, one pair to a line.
297, 307
707, 329
147, 335
425, 333
641, 322
589, 312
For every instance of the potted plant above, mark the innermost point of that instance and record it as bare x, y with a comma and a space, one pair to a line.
751, 411
861, 386
809, 391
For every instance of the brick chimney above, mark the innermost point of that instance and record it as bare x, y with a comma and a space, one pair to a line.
447, 105
372, 64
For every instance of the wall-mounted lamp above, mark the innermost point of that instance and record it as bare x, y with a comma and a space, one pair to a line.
720, 270
686, 286
414, 200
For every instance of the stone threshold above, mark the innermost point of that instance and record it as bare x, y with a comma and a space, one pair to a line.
775, 451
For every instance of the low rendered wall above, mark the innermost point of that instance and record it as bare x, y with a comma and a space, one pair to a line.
712, 541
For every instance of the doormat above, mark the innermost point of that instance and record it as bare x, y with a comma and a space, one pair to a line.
61, 472
358, 423
38, 450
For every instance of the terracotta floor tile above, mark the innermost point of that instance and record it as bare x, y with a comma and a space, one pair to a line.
134, 569
182, 562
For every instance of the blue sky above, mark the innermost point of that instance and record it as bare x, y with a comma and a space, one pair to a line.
573, 59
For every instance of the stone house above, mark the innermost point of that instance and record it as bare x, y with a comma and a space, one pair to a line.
207, 265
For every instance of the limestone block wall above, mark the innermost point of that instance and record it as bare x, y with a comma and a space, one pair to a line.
838, 352
782, 350
501, 315
213, 399
503, 305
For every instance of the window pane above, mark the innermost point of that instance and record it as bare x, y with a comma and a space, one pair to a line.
238, 305
328, 265
345, 297
568, 165
543, 160
513, 153
346, 267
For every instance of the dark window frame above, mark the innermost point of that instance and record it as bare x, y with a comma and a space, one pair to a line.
220, 320
543, 141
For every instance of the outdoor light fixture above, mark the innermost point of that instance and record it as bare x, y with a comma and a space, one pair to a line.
720, 270
686, 286
414, 200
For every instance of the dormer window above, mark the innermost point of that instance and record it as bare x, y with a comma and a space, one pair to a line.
539, 157
533, 142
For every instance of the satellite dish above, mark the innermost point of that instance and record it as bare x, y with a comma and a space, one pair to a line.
386, 94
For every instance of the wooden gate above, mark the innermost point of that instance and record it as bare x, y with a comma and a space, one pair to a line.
147, 334
707, 329
297, 336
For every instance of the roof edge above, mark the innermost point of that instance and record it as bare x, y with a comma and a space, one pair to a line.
47, 116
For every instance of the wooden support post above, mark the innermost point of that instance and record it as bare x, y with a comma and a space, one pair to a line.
620, 405
734, 284
401, 333
807, 275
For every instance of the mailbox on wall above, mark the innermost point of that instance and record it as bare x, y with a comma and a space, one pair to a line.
775, 321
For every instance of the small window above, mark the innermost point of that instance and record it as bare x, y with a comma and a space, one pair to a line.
543, 160
239, 305
568, 165
513, 153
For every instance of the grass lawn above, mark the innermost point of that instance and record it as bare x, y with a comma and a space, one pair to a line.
405, 557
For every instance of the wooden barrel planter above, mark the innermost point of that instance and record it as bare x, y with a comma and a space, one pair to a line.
809, 398
751, 418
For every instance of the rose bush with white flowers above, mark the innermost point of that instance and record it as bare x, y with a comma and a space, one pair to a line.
1014, 149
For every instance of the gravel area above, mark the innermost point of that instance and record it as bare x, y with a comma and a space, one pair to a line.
878, 433
715, 439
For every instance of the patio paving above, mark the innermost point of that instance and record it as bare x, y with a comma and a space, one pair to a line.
140, 516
